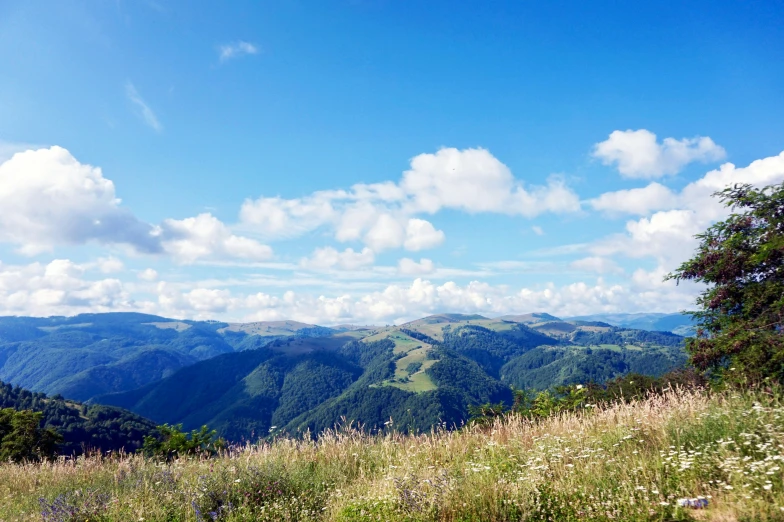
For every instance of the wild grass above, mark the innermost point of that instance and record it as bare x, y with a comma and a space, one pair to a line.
624, 462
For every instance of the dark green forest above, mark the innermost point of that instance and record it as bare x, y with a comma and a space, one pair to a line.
83, 427
264, 379
94, 354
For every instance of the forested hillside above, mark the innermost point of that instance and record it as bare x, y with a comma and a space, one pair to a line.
411, 377
83, 427
94, 354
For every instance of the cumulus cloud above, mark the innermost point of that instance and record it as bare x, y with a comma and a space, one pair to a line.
59, 288
199, 303
144, 110
205, 237
421, 235
48, 198
278, 217
110, 265
398, 303
668, 233
474, 180
384, 215
9, 148
148, 274
640, 201
667, 236
329, 258
387, 232
236, 49
62, 287
637, 154
408, 267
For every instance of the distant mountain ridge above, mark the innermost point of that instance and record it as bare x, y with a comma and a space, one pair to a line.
248, 380
679, 323
93, 354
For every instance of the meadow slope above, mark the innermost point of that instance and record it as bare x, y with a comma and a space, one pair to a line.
624, 462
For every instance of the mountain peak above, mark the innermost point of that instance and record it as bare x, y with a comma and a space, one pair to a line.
531, 318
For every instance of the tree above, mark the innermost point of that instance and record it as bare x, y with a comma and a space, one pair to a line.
23, 440
173, 442
741, 259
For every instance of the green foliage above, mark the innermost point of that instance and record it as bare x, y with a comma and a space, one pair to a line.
243, 395
546, 367
631, 462
485, 414
573, 397
491, 350
461, 383
741, 259
82, 427
622, 336
89, 355
92, 354
22, 439
368, 354
466, 378
414, 367
170, 442
257, 386
255, 393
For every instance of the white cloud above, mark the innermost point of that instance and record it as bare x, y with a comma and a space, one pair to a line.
383, 215
599, 265
668, 235
59, 288
48, 198
110, 265
204, 237
196, 303
421, 235
473, 180
356, 219
62, 287
328, 258
145, 111
537, 230
9, 148
236, 49
407, 266
277, 217
759, 173
148, 274
637, 154
386, 233
640, 201
397, 303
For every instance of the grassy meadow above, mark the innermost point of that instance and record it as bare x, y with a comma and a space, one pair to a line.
622, 462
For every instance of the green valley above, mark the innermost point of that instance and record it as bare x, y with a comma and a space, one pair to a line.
251, 380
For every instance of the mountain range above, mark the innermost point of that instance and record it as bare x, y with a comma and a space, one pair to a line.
252, 379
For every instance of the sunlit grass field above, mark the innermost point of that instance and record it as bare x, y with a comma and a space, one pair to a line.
624, 462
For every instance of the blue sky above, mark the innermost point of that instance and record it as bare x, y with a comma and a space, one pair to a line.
373, 161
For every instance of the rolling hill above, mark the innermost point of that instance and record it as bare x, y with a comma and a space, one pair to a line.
681, 324
417, 374
95, 354
84, 427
